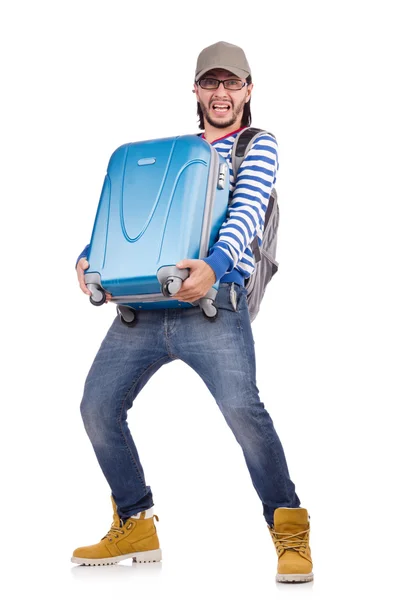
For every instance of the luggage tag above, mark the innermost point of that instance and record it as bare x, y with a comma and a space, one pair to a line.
233, 296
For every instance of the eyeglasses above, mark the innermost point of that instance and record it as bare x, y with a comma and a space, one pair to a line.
209, 83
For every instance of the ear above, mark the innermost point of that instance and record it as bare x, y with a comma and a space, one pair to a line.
195, 91
249, 91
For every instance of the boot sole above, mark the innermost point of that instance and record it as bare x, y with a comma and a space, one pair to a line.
294, 577
137, 557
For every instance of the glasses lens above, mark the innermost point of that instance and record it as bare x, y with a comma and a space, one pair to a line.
233, 84
209, 84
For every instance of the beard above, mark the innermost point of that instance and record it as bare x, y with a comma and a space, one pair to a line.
236, 111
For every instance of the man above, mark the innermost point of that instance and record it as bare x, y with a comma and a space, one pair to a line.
225, 358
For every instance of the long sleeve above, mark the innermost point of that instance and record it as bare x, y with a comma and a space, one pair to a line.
246, 213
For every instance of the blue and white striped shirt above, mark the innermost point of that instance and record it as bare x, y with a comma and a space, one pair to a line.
231, 257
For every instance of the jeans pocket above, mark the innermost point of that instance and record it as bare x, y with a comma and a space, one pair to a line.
230, 296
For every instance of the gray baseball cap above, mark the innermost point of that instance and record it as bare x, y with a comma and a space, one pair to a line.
223, 56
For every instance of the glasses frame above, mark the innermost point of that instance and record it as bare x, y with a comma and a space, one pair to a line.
244, 83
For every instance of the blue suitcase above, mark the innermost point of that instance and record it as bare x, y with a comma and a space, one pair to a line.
162, 200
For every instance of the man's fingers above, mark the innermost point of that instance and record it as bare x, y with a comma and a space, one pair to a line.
190, 300
82, 266
85, 289
83, 286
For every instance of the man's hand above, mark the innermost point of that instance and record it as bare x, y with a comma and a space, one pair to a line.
200, 280
82, 265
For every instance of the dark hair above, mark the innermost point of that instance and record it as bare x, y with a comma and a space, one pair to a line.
246, 118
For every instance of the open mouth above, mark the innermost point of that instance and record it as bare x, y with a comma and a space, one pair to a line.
220, 108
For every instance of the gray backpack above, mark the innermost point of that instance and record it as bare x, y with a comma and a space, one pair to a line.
265, 256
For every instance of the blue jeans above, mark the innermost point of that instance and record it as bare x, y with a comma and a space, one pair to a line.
222, 353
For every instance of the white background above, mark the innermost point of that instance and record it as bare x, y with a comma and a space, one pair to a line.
81, 78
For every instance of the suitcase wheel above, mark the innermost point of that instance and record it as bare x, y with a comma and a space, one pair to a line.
132, 314
171, 286
209, 309
100, 301
212, 317
128, 323
98, 296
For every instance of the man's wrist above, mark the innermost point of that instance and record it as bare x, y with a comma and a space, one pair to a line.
218, 261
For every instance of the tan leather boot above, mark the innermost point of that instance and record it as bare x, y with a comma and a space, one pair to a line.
134, 538
290, 534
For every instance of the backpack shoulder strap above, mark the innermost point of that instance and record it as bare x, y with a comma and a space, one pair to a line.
243, 144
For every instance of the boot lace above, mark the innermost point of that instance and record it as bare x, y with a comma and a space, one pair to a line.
115, 530
286, 541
